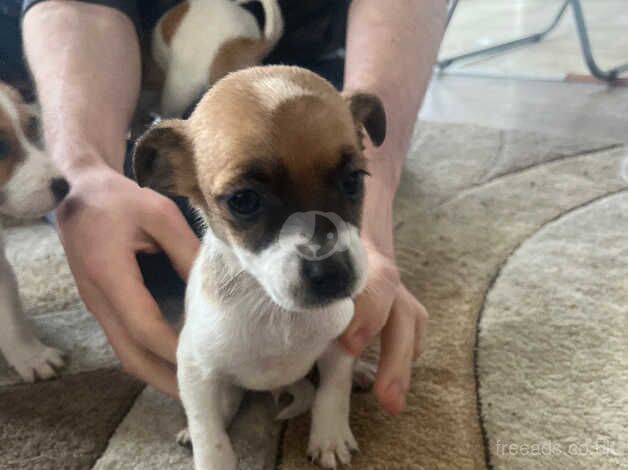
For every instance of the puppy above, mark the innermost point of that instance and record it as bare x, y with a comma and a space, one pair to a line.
272, 159
199, 41
30, 186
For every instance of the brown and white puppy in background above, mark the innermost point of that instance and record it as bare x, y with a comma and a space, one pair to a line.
30, 186
272, 159
199, 41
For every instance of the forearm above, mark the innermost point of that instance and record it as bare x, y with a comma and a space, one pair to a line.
86, 64
391, 47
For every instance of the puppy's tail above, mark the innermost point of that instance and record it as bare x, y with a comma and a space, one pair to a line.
273, 27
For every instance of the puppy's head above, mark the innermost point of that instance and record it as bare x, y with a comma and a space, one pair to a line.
30, 185
272, 158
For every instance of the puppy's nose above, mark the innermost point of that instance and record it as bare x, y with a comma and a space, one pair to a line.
59, 188
329, 278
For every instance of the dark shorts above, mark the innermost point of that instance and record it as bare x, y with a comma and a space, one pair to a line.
314, 29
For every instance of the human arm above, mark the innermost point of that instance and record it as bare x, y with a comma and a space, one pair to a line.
391, 47
85, 60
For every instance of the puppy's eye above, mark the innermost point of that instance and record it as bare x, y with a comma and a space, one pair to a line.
353, 184
5, 147
245, 203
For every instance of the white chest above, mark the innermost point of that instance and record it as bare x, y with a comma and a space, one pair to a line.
251, 340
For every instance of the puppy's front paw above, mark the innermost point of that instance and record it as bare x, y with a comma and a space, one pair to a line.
36, 361
184, 439
330, 444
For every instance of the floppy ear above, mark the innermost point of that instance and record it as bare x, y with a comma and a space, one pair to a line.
163, 160
368, 112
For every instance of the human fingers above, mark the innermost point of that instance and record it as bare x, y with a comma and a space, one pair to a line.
395, 365
166, 225
120, 282
372, 306
135, 359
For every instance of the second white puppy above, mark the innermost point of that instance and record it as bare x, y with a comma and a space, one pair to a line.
272, 158
198, 42
30, 186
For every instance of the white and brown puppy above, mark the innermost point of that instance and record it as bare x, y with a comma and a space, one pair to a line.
30, 186
199, 41
272, 158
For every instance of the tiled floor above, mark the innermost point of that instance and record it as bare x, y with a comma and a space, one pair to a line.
586, 110
594, 110
480, 23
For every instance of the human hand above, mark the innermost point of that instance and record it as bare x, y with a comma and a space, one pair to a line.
103, 223
387, 308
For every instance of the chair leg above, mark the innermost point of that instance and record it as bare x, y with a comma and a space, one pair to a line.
585, 45
450, 11
532, 38
610, 75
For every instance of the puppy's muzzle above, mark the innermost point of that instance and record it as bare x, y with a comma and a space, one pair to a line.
328, 279
59, 187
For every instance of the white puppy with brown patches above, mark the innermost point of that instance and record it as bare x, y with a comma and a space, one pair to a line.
272, 159
30, 186
198, 42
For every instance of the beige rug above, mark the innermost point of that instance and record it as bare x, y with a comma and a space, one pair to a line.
521, 234
470, 199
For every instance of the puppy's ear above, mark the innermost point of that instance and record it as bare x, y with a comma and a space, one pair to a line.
163, 160
368, 112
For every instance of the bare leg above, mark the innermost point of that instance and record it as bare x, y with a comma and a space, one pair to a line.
88, 87
85, 59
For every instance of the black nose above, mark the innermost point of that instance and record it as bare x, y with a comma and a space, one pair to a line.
329, 278
60, 188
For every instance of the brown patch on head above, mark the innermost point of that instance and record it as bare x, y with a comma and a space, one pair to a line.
11, 149
281, 132
171, 20
314, 137
293, 146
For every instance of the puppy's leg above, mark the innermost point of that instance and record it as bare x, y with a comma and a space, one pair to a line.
210, 403
331, 439
30, 357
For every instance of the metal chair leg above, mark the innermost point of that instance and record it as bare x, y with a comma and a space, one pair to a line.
583, 37
532, 38
585, 45
450, 11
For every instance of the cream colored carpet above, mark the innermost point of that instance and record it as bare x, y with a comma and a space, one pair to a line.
515, 242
